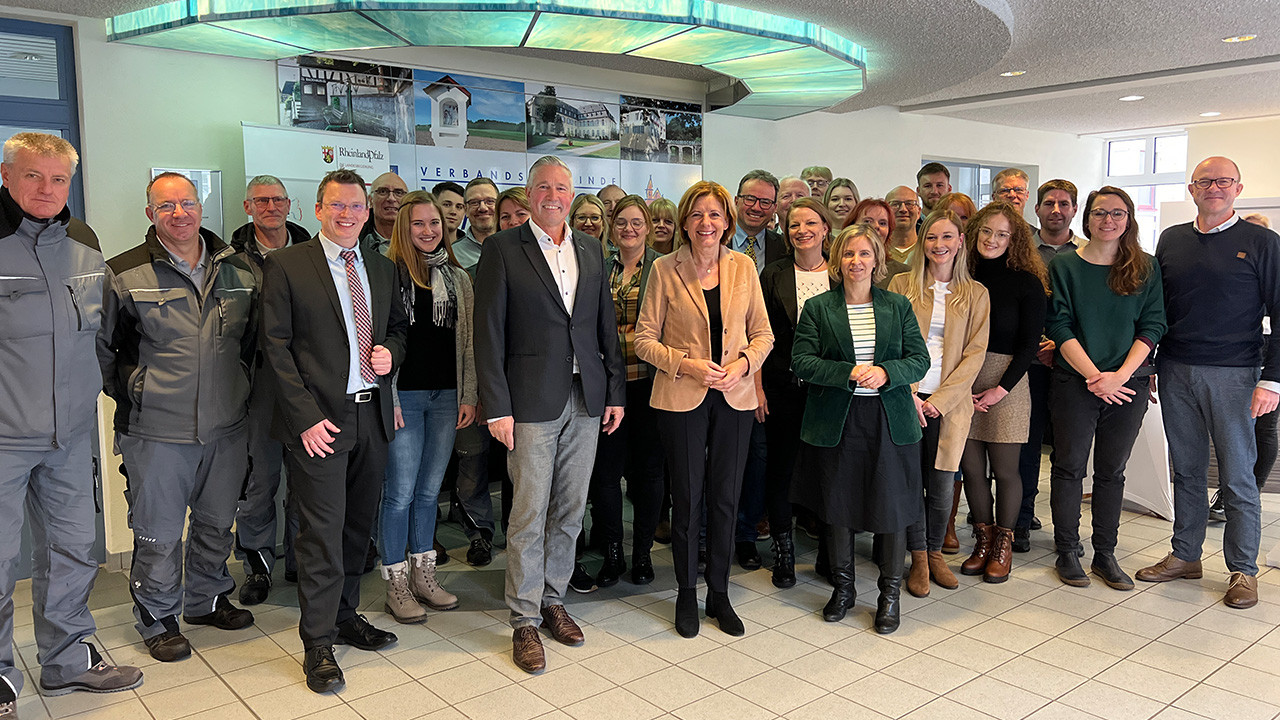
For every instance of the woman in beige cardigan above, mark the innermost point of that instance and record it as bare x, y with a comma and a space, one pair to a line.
704, 327
954, 312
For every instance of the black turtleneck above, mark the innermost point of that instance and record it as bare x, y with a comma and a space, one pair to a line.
1017, 314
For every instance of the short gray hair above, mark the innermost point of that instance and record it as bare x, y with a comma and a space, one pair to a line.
42, 144
260, 180
1008, 173
544, 161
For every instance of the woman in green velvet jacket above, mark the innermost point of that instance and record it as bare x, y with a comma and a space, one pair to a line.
858, 349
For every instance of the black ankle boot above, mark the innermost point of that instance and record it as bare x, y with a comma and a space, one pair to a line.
784, 560
844, 595
1069, 570
889, 606
641, 568
614, 566
687, 612
1105, 566
718, 607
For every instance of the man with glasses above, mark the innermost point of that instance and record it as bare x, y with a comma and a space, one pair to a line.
905, 204
818, 178
1221, 278
47, 425
932, 182
1011, 185
267, 203
178, 339
333, 333
384, 202
481, 200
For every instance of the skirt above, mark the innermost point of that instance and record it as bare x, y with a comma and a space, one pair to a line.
866, 482
1007, 420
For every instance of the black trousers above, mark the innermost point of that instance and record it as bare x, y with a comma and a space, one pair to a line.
632, 450
782, 432
706, 453
336, 497
1082, 421
927, 531
1029, 462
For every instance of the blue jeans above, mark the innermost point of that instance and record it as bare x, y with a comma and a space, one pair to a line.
415, 468
1199, 402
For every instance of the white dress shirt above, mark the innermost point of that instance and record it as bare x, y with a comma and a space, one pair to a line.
338, 269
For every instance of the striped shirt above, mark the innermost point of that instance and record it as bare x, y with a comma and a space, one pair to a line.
862, 326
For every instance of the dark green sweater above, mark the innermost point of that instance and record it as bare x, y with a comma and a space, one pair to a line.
1083, 307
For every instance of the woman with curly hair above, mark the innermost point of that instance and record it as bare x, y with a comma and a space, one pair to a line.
1003, 258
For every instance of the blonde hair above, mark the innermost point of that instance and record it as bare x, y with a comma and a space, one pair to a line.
849, 236
635, 201
962, 282
42, 144
403, 251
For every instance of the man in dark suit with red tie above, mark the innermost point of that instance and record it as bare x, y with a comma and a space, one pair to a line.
332, 335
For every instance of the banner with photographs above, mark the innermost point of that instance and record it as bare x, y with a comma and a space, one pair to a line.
452, 126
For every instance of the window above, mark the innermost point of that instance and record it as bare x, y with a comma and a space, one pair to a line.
1152, 169
974, 179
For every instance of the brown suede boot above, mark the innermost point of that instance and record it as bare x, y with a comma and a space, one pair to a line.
977, 562
1000, 563
918, 580
940, 572
951, 543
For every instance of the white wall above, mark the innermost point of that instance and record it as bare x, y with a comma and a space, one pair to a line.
1252, 144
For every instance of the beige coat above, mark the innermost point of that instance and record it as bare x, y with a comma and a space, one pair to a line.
964, 347
673, 325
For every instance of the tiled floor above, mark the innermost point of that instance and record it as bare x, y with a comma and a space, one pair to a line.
1030, 648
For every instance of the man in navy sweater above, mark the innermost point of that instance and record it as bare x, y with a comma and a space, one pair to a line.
1221, 276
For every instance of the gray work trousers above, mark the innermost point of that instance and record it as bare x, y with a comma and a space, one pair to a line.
56, 488
550, 471
256, 511
164, 480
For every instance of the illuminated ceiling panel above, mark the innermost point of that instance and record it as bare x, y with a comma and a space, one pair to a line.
785, 66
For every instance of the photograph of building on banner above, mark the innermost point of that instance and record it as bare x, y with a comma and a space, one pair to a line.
571, 122
464, 111
654, 130
321, 93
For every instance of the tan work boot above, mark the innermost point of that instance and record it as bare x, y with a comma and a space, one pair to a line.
1170, 568
400, 602
422, 582
950, 542
940, 572
918, 580
1242, 591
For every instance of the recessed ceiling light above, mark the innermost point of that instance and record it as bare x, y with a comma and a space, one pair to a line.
1211, 113
1239, 38
1013, 73
1131, 98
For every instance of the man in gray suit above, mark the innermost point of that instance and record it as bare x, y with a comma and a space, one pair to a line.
550, 371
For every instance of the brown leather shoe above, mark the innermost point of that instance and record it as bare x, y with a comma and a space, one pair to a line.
1170, 568
1242, 591
940, 572
1000, 563
526, 650
561, 626
951, 543
977, 562
918, 580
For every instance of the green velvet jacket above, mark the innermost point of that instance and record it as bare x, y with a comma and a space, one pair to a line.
822, 356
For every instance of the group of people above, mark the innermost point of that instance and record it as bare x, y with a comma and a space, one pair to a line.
792, 350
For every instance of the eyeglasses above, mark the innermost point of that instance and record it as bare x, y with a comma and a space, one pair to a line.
1019, 191
1001, 235
636, 224
339, 208
587, 218
1223, 182
188, 206
477, 202
899, 204
759, 202
1101, 214
383, 193
262, 203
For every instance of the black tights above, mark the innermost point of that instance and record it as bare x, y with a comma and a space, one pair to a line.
977, 487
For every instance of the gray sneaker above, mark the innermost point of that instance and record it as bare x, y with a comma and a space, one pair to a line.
100, 678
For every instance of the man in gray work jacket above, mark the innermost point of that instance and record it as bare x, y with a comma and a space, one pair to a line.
176, 346
50, 306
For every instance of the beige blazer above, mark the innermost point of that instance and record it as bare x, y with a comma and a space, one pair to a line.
964, 347
673, 325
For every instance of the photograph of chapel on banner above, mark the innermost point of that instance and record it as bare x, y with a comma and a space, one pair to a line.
321, 93
465, 111
656, 130
571, 122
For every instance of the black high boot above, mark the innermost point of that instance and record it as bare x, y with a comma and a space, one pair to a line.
784, 560
839, 542
890, 553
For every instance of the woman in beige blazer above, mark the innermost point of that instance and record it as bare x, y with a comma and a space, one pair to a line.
954, 312
704, 327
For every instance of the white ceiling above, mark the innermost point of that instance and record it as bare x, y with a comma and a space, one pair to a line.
944, 57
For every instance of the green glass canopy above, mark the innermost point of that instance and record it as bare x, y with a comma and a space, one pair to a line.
788, 66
